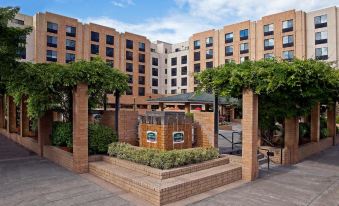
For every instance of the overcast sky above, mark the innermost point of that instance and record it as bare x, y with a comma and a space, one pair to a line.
167, 20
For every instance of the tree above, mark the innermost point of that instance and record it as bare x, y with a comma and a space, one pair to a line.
12, 40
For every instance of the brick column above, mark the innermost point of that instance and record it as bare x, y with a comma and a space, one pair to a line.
331, 121
232, 114
249, 136
315, 123
24, 125
45, 130
187, 107
291, 141
80, 128
11, 115
2, 112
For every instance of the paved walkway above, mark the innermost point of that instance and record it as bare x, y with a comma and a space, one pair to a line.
26, 179
312, 182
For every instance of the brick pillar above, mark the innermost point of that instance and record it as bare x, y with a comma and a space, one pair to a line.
231, 114
315, 123
331, 121
80, 128
291, 141
24, 125
11, 115
249, 136
187, 107
2, 112
45, 130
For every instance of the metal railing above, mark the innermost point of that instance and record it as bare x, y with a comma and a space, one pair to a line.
233, 143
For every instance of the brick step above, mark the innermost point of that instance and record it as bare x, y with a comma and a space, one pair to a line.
165, 174
159, 192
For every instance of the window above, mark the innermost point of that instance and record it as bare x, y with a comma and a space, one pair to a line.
152, 50
18, 21
173, 91
244, 48
142, 58
196, 68
129, 91
197, 56
174, 61
244, 34
228, 50
110, 62
288, 55
268, 56
184, 59
229, 37
174, 71
288, 41
52, 56
209, 65
130, 79
243, 59
321, 53
166, 61
209, 41
166, 51
109, 52
141, 80
197, 44
287, 25
173, 82
52, 41
109, 39
22, 52
209, 54
70, 44
165, 71
154, 91
154, 82
52, 27
183, 91
129, 55
177, 50
95, 36
141, 91
184, 81
129, 44
183, 70
141, 46
320, 21
71, 31
129, 67
70, 57
141, 69
94, 49
155, 72
154, 61
321, 37
268, 29
165, 81
268, 44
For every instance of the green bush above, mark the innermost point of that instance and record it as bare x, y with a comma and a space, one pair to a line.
62, 134
100, 137
161, 159
304, 130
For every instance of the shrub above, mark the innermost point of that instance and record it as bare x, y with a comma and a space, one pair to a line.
62, 134
161, 159
304, 129
99, 137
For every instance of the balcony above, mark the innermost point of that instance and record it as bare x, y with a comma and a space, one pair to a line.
209, 56
320, 25
209, 44
229, 54
243, 38
229, 40
51, 59
54, 31
288, 29
268, 33
71, 34
197, 47
321, 41
323, 57
72, 48
245, 51
290, 44
52, 45
268, 47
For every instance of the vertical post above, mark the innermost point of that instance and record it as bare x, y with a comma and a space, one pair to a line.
80, 128
331, 121
250, 136
2, 113
216, 119
11, 115
161, 106
291, 141
315, 123
24, 125
117, 109
187, 107
45, 130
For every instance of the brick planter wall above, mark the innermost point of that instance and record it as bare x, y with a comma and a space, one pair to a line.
59, 156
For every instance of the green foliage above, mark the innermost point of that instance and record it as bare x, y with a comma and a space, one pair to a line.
337, 119
304, 130
161, 159
100, 137
62, 134
323, 127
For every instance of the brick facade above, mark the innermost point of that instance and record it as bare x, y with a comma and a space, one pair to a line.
204, 129
11, 115
2, 112
315, 123
291, 140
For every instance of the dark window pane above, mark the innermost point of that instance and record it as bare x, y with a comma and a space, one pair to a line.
174, 61
129, 67
94, 49
109, 52
141, 69
154, 61
70, 31
184, 59
95, 36
109, 39
129, 44
129, 55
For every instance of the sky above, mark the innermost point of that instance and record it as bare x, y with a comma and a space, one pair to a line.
171, 21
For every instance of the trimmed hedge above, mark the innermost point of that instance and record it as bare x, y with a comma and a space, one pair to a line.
99, 136
161, 159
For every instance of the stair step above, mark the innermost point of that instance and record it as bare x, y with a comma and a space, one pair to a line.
160, 192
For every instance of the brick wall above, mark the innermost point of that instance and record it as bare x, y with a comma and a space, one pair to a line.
59, 156
204, 129
315, 147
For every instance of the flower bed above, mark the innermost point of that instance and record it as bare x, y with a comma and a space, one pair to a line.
162, 159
